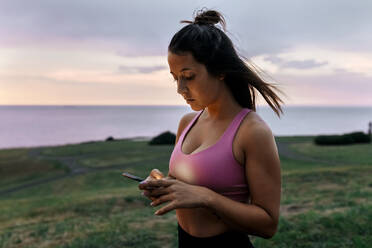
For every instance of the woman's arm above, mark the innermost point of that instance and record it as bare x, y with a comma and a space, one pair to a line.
262, 164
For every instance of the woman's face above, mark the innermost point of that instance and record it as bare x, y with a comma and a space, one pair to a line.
193, 80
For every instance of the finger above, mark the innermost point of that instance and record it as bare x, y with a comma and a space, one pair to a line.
169, 207
147, 194
162, 199
145, 186
164, 182
144, 182
150, 177
150, 194
157, 174
159, 191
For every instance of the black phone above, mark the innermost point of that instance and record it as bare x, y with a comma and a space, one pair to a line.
133, 177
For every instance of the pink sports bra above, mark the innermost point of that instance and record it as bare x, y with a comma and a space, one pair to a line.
214, 167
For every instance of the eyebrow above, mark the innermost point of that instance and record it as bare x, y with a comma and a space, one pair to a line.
184, 69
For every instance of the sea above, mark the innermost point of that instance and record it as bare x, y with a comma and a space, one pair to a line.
33, 126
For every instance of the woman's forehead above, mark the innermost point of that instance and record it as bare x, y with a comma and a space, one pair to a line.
180, 62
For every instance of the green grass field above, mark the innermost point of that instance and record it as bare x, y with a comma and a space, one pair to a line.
89, 204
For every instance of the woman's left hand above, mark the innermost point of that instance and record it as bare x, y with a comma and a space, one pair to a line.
177, 193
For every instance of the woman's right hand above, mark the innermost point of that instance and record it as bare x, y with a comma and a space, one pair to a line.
154, 175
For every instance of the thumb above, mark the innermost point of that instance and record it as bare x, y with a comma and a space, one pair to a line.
156, 174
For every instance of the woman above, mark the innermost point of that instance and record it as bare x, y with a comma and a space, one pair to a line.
224, 174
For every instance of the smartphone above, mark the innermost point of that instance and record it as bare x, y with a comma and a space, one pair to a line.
133, 177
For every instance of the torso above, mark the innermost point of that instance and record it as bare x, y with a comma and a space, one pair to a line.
201, 222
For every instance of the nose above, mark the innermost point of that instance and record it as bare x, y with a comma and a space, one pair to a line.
181, 87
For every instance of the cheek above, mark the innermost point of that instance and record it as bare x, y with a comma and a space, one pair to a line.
202, 83
206, 87
199, 90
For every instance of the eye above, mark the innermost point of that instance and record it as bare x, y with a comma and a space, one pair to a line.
184, 78
190, 78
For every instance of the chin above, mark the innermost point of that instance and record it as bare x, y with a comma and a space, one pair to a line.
196, 108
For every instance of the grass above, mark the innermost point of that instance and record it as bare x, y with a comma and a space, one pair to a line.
360, 154
17, 167
323, 205
350, 228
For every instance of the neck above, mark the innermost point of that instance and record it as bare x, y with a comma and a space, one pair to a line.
225, 107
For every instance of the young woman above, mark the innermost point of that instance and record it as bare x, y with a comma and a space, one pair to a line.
224, 173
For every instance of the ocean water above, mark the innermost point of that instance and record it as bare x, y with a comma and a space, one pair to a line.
31, 126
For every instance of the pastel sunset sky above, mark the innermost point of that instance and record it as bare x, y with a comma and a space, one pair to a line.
114, 52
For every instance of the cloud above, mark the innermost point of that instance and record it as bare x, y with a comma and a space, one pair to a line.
321, 48
344, 88
298, 64
315, 60
146, 27
140, 69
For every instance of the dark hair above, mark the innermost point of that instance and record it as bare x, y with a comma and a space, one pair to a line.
210, 46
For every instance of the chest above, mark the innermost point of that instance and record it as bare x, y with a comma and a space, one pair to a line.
205, 136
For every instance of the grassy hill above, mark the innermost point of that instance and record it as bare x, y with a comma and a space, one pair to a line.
74, 196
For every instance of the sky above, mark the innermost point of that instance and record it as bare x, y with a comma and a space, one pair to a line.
114, 52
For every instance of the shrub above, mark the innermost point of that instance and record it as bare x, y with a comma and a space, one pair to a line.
166, 138
110, 138
344, 139
360, 137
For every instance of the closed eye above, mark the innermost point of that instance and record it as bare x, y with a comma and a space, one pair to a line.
190, 78
185, 78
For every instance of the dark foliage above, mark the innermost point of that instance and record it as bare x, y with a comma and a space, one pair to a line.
110, 138
166, 138
344, 139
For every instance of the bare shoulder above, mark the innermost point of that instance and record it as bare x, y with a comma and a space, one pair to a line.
255, 131
253, 120
185, 120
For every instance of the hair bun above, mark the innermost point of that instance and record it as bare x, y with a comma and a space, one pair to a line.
208, 17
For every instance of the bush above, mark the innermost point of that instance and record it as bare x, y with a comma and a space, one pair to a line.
344, 139
166, 138
360, 137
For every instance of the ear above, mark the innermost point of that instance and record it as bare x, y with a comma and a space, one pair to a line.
221, 77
